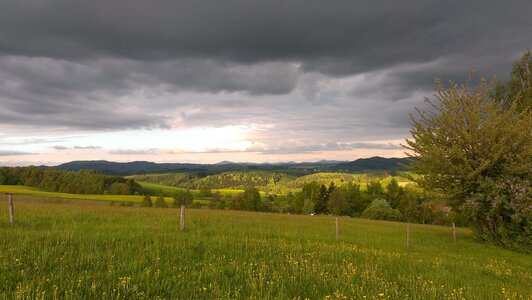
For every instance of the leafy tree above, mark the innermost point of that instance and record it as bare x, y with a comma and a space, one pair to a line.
146, 201
183, 198
394, 193
296, 202
374, 189
205, 192
409, 205
338, 203
159, 202
220, 204
251, 199
518, 89
357, 201
308, 207
280, 204
320, 204
477, 153
216, 196
380, 209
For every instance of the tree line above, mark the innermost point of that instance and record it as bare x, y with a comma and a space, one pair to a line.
80, 182
392, 202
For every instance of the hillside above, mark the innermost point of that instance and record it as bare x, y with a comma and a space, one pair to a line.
373, 164
225, 180
298, 169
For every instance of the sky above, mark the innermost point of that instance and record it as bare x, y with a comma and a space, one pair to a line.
238, 80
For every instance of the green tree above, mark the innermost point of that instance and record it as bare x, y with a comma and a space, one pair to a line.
308, 207
251, 199
374, 189
357, 200
280, 204
338, 203
296, 202
183, 198
518, 89
409, 205
380, 209
159, 202
394, 193
478, 155
205, 192
320, 203
146, 201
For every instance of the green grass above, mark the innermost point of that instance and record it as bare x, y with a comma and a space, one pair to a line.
156, 189
24, 190
81, 249
169, 191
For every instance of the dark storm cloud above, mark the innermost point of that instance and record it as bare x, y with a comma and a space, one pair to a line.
359, 66
340, 37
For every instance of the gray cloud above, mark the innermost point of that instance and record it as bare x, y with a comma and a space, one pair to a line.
340, 38
13, 153
87, 147
305, 69
133, 151
59, 147
333, 146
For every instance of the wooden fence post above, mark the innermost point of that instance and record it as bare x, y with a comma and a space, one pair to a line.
408, 234
182, 219
10, 208
337, 229
454, 233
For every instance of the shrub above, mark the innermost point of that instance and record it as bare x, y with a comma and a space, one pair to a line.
146, 201
380, 209
159, 202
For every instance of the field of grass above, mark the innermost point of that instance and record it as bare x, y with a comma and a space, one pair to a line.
24, 190
156, 189
81, 249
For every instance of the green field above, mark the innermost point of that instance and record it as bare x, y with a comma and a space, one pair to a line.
24, 190
156, 189
76, 249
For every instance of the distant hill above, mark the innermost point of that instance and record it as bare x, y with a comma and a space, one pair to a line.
373, 164
298, 169
116, 168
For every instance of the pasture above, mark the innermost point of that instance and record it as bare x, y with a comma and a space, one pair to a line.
76, 249
29, 191
157, 189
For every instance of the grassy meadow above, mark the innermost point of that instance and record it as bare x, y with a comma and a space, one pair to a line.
156, 189
74, 249
29, 191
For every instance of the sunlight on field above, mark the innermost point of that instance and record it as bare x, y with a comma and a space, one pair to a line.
93, 250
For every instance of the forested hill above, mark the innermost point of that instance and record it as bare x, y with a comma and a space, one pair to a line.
80, 182
144, 167
373, 164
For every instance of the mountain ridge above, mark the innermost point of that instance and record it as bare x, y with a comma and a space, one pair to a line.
375, 163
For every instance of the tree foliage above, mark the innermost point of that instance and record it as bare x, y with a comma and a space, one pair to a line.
518, 89
159, 202
476, 151
183, 198
80, 182
146, 201
380, 209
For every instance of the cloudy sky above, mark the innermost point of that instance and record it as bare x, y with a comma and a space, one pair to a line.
240, 80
